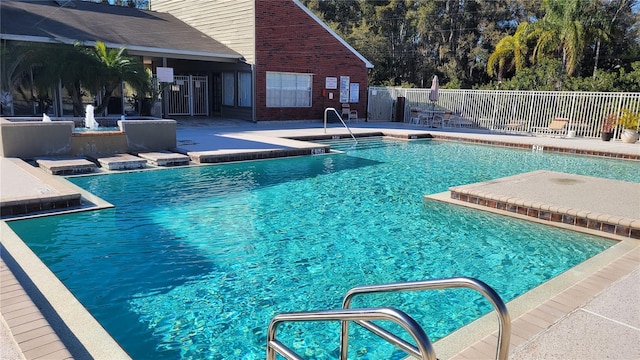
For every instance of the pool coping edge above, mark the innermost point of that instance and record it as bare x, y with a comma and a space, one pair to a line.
86, 330
461, 339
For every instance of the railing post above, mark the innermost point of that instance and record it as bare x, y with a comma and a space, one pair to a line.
326, 111
504, 324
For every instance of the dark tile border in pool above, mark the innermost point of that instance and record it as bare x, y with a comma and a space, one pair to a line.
209, 157
217, 157
30, 206
599, 222
527, 146
335, 136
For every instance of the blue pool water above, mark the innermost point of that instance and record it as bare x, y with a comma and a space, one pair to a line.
99, 129
194, 262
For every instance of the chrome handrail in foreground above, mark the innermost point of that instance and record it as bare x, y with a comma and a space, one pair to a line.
424, 349
504, 325
326, 111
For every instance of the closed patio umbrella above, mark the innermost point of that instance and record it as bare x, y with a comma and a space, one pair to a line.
433, 94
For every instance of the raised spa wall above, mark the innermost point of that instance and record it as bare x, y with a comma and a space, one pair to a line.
27, 139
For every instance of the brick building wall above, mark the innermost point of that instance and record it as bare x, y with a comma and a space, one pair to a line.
289, 40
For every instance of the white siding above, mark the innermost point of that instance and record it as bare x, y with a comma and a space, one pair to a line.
231, 22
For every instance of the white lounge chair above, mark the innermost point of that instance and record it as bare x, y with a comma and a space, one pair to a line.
557, 126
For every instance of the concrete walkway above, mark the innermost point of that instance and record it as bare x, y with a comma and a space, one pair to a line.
606, 327
589, 312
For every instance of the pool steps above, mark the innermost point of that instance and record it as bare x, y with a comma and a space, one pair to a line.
165, 158
53, 194
220, 156
66, 166
363, 143
120, 162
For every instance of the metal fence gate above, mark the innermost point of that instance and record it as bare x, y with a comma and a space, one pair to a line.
189, 95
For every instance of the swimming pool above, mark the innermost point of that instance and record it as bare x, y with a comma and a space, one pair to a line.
193, 262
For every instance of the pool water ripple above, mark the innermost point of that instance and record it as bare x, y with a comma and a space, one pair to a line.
194, 262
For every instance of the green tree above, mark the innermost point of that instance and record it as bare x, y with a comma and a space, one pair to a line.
459, 36
510, 52
394, 22
113, 67
467, 42
79, 70
613, 36
541, 76
340, 15
71, 66
561, 32
13, 70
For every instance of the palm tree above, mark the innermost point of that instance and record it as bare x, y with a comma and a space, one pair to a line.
9, 65
79, 70
115, 66
510, 52
71, 66
561, 31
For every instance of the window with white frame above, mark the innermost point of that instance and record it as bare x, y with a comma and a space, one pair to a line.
244, 89
288, 89
228, 89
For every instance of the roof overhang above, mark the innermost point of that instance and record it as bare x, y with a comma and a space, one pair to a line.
135, 50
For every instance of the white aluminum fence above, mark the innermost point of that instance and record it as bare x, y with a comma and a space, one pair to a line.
513, 111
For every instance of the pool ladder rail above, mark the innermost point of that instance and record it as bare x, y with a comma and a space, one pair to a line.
363, 316
326, 113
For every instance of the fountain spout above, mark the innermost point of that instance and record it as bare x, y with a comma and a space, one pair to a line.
89, 119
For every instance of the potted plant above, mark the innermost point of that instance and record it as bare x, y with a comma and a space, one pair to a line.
628, 120
608, 125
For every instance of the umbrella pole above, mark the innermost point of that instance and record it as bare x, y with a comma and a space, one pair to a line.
433, 112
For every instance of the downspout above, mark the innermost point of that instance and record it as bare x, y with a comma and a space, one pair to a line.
254, 89
254, 92
165, 93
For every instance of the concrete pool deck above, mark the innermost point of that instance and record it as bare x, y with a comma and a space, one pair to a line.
591, 311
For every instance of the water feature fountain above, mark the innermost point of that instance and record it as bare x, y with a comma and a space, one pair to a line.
89, 119
76, 136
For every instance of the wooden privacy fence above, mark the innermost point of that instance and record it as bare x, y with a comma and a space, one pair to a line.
499, 110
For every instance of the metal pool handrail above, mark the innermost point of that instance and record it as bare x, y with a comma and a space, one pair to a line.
326, 111
504, 324
424, 349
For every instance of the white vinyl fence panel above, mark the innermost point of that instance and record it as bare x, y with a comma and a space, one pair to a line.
512, 111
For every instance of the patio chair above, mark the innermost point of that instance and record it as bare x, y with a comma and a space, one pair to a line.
557, 126
346, 110
437, 119
415, 115
463, 122
515, 126
451, 119
353, 114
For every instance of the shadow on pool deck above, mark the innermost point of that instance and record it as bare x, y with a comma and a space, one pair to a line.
590, 311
